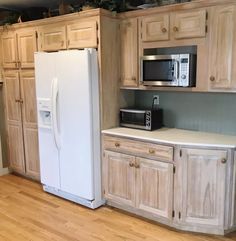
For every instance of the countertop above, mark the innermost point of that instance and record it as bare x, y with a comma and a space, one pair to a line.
176, 137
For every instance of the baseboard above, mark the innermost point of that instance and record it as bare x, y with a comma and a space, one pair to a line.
4, 171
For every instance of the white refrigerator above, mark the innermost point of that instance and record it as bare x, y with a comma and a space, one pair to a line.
69, 125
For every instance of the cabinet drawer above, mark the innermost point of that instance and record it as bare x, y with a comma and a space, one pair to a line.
138, 148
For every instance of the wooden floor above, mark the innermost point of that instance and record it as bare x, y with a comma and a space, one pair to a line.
28, 213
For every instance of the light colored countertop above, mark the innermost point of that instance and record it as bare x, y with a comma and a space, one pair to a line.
176, 137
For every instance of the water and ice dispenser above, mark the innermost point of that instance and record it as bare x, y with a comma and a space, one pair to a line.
45, 113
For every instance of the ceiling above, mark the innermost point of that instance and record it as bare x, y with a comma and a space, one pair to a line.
21, 4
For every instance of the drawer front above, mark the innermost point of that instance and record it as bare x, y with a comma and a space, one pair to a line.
138, 148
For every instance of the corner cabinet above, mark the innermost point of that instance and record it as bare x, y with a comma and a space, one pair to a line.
129, 52
202, 188
222, 55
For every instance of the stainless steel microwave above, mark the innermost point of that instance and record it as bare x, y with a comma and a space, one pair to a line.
141, 118
168, 70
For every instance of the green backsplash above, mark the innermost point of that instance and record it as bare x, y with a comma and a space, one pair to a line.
210, 112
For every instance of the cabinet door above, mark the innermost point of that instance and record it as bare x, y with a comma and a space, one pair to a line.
189, 24
14, 121
27, 45
222, 55
29, 114
155, 187
82, 35
119, 180
9, 50
52, 38
155, 28
129, 52
203, 186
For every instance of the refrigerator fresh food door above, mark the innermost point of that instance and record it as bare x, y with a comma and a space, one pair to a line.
75, 114
45, 90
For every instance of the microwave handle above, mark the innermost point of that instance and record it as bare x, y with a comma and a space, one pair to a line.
177, 66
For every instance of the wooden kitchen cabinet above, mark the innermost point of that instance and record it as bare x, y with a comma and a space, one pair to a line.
129, 52
154, 187
155, 28
119, 181
203, 187
82, 34
189, 24
9, 50
22, 122
52, 37
222, 52
27, 46
14, 121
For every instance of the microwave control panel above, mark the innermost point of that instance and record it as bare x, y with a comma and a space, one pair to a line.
184, 70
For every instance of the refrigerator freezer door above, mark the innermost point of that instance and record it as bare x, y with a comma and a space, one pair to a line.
75, 110
49, 155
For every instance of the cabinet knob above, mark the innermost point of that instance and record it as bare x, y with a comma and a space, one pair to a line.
176, 29
136, 165
131, 164
151, 151
223, 160
212, 78
164, 30
117, 144
133, 78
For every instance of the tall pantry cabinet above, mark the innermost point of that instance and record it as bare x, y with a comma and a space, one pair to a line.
18, 49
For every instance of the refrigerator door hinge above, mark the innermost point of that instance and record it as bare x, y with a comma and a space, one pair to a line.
180, 153
173, 213
174, 169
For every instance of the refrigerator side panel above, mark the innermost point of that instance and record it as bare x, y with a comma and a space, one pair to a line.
49, 155
75, 107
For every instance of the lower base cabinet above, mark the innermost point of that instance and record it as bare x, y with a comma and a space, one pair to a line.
193, 192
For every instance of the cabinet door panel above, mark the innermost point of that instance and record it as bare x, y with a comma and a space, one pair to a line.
155, 187
120, 178
27, 45
129, 52
52, 38
82, 35
222, 73
155, 28
204, 177
190, 24
16, 148
9, 50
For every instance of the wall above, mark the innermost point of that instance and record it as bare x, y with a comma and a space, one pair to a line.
210, 112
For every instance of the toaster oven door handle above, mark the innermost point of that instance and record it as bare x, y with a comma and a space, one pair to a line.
134, 111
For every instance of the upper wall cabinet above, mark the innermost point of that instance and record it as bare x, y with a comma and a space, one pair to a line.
129, 52
189, 24
52, 37
155, 28
222, 55
27, 45
82, 34
18, 49
9, 50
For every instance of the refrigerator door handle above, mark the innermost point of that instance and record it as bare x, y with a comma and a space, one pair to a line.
55, 128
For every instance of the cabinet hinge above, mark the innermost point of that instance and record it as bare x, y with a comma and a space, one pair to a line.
174, 169
173, 214
97, 41
179, 215
36, 35
104, 192
206, 28
141, 36
141, 24
97, 26
180, 153
206, 15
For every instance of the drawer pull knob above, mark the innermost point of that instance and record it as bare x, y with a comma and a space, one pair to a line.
176, 29
117, 144
164, 30
212, 78
151, 151
131, 164
223, 160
